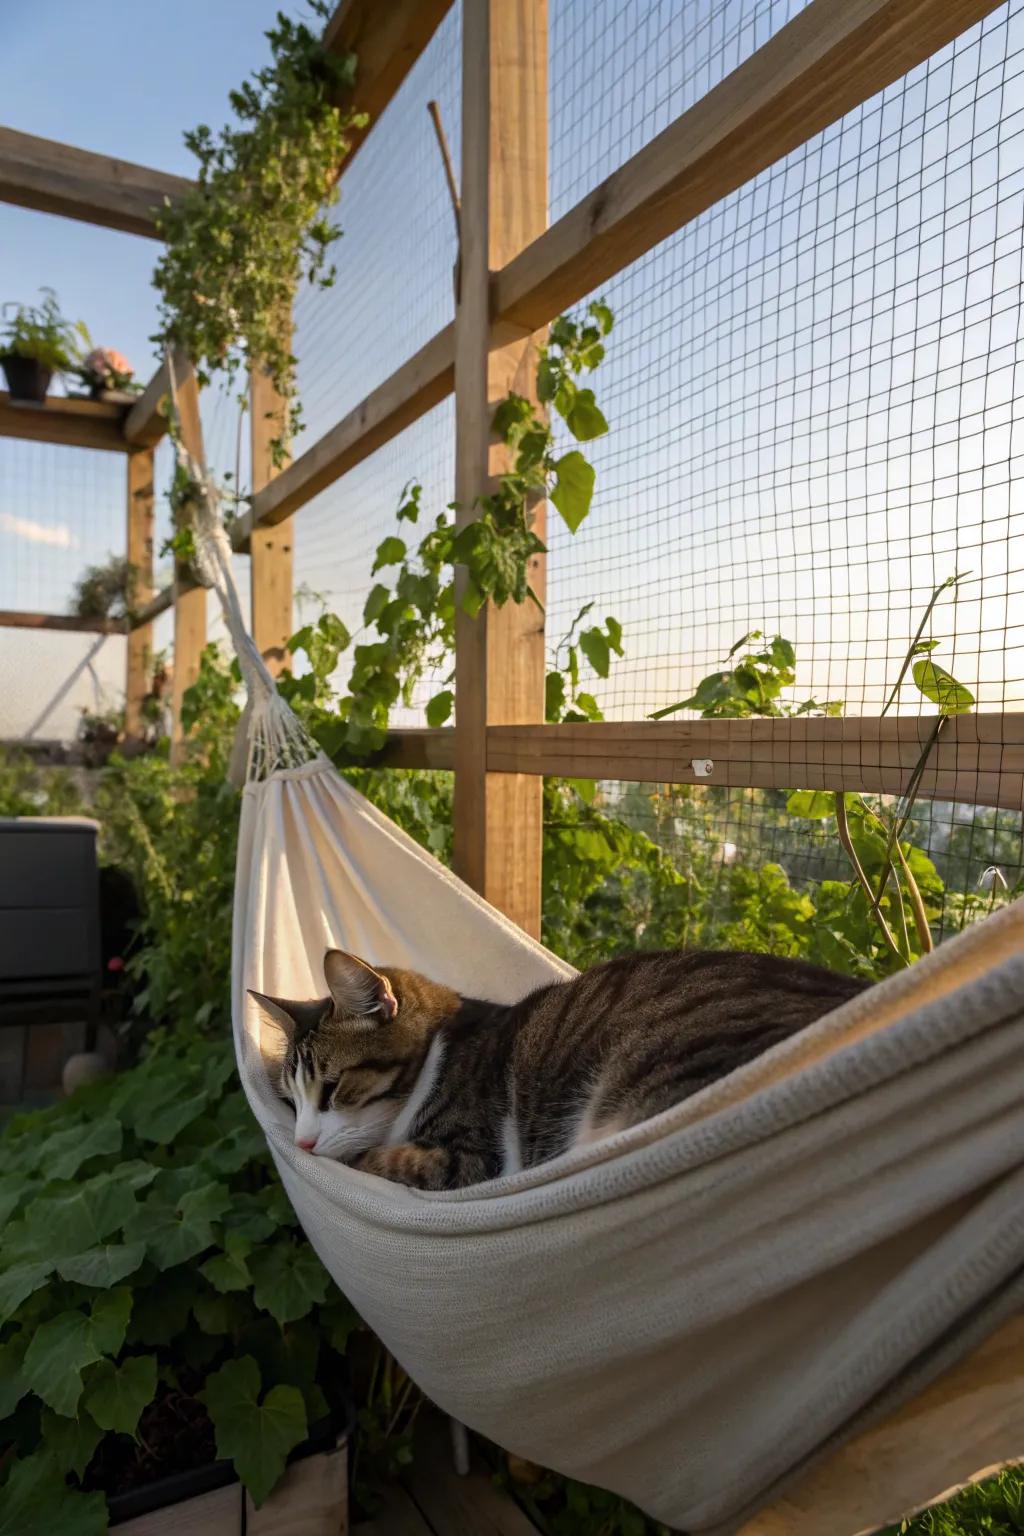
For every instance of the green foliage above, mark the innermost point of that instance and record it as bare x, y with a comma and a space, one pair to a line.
238, 244
106, 591
994, 1507
41, 332
753, 685
158, 1251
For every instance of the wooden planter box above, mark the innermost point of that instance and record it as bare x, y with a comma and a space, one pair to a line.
311, 1498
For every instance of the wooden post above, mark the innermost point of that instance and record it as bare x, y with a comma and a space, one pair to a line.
270, 548
189, 600
139, 664
500, 654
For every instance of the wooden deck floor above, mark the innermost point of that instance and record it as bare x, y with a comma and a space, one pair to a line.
436, 1501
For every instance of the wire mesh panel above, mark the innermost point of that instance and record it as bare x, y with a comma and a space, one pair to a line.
815, 412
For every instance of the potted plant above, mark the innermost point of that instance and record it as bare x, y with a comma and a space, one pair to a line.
104, 371
36, 342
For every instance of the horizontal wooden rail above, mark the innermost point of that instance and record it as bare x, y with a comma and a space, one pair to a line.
68, 423
832, 56
418, 385
97, 189
13, 619
386, 40
979, 758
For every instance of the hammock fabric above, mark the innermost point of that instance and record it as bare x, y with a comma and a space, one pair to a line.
693, 1310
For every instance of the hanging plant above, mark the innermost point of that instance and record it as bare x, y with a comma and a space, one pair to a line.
255, 223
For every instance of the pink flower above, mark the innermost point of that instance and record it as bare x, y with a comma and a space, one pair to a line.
105, 362
115, 963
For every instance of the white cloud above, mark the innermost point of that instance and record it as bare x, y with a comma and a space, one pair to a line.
58, 534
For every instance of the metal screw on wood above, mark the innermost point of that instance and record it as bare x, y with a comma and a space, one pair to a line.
703, 767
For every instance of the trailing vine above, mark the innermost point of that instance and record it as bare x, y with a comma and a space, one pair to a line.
413, 615
255, 222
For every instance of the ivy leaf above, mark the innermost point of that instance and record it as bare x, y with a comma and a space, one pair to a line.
375, 603
815, 804
584, 420
595, 648
554, 697
71, 1442
614, 629
439, 708
19, 1282
256, 1436
547, 379
213, 1314
69, 1224
62, 1348
165, 1121
288, 1280
942, 688
589, 705
228, 1271
117, 1394
13, 1385
390, 551
512, 411
34, 1500
12, 1192
573, 488
585, 788
602, 314
103, 1266
62, 1155
174, 1233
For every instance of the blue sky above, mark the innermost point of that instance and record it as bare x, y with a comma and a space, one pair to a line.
812, 389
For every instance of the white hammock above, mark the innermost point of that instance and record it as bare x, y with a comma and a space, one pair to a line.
691, 1311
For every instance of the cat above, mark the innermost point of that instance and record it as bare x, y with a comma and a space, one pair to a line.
402, 1077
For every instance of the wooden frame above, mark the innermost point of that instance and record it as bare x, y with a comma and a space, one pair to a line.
66, 423
140, 519
189, 600
96, 189
270, 549
15, 618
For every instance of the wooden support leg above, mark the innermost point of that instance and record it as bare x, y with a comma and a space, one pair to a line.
270, 548
139, 661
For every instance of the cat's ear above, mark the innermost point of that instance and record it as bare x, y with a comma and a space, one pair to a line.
357, 989
278, 1012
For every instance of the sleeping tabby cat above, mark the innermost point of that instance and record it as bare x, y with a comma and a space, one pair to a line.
402, 1077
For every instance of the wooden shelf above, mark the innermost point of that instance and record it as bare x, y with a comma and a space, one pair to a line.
69, 423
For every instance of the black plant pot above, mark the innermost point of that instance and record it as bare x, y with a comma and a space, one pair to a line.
27, 378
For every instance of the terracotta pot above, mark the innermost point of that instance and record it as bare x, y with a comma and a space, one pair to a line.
27, 378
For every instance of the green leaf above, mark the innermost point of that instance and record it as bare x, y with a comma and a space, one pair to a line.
375, 603
71, 1442
554, 697
595, 648
602, 314
390, 551
213, 1314
585, 788
13, 1385
71, 1224
942, 688
289, 1279
573, 489
439, 708
37, 1499
256, 1436
812, 803
511, 412
104, 1265
174, 1233
19, 1282
614, 629
62, 1348
584, 419
62, 1155
165, 1122
117, 1394
228, 1271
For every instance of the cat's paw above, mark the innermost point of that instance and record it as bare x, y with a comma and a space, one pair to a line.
417, 1167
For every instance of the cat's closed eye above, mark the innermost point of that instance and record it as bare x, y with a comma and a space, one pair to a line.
326, 1093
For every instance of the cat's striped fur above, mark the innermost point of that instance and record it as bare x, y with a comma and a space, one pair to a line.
405, 1078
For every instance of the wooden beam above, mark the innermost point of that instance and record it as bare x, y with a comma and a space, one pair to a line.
426, 747
68, 423
189, 600
139, 660
97, 189
979, 759
14, 619
146, 422
419, 385
270, 548
499, 655
386, 40
832, 56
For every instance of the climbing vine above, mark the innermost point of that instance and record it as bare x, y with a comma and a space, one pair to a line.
410, 616
255, 222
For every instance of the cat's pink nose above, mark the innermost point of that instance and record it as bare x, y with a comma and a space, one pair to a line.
306, 1145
